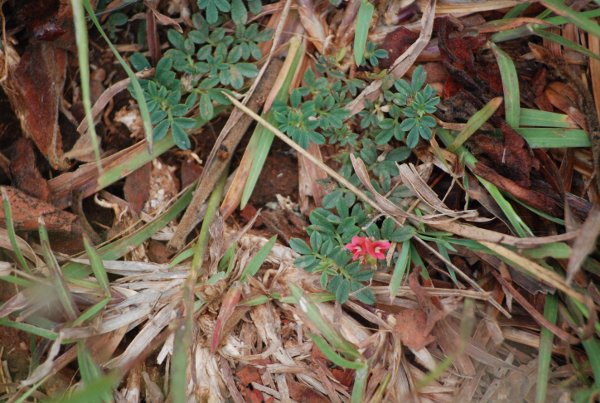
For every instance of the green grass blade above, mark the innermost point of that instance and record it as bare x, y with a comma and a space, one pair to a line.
137, 88
561, 40
527, 30
97, 266
12, 235
257, 260
475, 122
577, 18
91, 312
516, 221
29, 392
469, 160
542, 214
592, 349
88, 369
120, 247
537, 118
181, 257
31, 329
141, 157
183, 337
328, 331
254, 301
554, 137
93, 392
178, 380
334, 357
558, 20
556, 250
259, 146
16, 280
363, 22
545, 351
444, 252
134, 162
517, 10
510, 85
81, 36
60, 287
400, 269
360, 384
261, 140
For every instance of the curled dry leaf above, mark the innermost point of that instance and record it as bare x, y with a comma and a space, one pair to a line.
25, 248
396, 43
414, 181
26, 211
414, 325
315, 26
565, 99
231, 300
584, 244
510, 156
34, 87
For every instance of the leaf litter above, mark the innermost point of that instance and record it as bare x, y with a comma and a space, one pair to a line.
504, 226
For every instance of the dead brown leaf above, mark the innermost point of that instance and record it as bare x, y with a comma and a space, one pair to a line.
584, 244
137, 188
414, 325
25, 173
35, 90
26, 211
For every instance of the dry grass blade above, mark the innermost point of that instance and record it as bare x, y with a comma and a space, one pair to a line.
540, 273
145, 337
560, 333
471, 7
108, 95
23, 246
47, 366
212, 173
312, 23
584, 244
419, 187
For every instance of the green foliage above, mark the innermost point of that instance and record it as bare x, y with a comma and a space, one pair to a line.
390, 127
114, 23
416, 104
167, 112
329, 233
373, 54
317, 110
237, 9
196, 69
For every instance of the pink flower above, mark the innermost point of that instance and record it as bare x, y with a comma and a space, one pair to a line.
362, 247
378, 249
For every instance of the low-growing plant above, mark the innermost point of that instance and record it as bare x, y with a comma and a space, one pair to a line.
348, 245
114, 23
200, 65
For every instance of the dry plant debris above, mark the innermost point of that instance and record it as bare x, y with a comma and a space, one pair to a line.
299, 201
